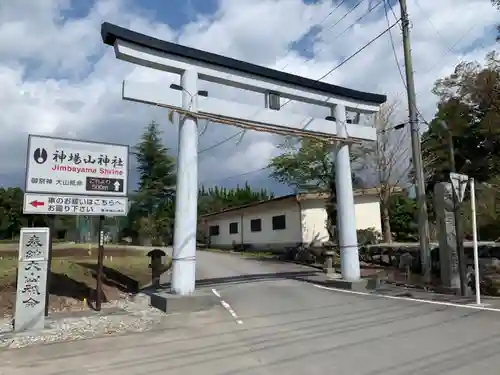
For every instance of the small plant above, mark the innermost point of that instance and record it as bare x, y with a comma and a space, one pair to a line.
369, 236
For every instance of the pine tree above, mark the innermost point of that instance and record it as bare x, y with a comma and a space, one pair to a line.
155, 196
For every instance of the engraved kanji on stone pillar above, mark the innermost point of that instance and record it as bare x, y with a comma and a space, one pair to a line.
32, 279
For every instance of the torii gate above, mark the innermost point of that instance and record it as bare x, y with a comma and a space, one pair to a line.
193, 65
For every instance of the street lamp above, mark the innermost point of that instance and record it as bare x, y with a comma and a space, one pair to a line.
457, 213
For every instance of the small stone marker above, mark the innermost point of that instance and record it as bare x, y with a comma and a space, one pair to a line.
32, 279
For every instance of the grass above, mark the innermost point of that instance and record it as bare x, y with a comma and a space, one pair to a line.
8, 267
131, 265
81, 269
73, 276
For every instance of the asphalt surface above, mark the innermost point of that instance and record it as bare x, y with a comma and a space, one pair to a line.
271, 323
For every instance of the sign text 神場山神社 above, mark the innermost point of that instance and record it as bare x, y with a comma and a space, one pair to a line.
66, 166
68, 170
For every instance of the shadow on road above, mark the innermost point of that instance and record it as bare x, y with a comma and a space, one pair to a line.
243, 279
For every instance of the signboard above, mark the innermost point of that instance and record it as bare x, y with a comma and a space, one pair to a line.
69, 166
459, 183
59, 204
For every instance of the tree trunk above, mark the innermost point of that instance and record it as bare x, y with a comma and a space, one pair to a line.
386, 224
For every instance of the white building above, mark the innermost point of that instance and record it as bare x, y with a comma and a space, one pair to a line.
285, 221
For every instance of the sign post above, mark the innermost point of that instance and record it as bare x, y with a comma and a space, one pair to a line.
100, 264
477, 281
73, 177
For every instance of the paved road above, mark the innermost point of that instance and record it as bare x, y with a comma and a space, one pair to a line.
287, 327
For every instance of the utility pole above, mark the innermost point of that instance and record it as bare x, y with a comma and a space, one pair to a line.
423, 220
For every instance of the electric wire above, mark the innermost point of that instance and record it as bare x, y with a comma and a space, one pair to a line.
242, 132
387, 7
325, 75
345, 15
358, 20
391, 129
357, 52
417, 3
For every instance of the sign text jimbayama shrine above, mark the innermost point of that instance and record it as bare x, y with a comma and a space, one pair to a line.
187, 99
72, 177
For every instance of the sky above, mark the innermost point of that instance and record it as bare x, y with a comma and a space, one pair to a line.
58, 78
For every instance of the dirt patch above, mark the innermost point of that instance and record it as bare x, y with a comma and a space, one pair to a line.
73, 277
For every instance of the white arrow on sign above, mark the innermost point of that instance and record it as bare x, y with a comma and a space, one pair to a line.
459, 183
117, 186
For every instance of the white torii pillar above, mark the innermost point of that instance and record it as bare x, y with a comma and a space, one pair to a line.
346, 216
186, 201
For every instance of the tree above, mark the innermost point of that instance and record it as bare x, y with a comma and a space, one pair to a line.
11, 212
496, 3
469, 103
153, 208
220, 198
308, 165
386, 161
402, 219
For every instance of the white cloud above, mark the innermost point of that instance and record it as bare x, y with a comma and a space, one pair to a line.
58, 77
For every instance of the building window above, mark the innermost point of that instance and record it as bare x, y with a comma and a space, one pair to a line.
279, 222
213, 230
255, 225
233, 228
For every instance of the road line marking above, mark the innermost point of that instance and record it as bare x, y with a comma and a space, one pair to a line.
216, 292
231, 311
409, 299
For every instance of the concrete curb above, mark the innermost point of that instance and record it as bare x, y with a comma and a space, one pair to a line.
169, 303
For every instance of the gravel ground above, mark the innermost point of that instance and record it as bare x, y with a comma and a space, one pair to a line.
122, 316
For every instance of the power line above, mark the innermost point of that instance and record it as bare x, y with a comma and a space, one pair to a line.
350, 57
242, 132
345, 15
438, 61
417, 3
392, 11
357, 52
395, 54
325, 75
393, 44
382, 131
371, 9
332, 11
288, 52
219, 143
362, 48
237, 175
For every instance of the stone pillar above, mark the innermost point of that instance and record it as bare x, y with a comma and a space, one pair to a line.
32, 279
445, 221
